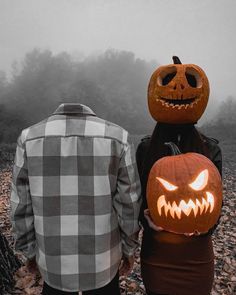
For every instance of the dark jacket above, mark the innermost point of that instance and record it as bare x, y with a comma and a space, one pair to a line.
214, 154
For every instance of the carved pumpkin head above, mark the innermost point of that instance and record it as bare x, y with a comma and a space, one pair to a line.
184, 192
178, 93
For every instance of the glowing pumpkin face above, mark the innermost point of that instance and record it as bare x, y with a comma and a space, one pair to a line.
178, 93
184, 193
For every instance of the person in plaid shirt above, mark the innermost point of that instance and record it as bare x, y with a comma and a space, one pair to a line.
75, 201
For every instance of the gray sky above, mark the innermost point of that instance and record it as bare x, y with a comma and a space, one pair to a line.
198, 31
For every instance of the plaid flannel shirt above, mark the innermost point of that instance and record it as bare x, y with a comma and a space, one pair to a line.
75, 198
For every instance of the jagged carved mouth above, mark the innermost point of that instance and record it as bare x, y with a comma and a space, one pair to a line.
178, 103
198, 206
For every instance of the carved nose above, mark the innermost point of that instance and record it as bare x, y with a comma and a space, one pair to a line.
180, 86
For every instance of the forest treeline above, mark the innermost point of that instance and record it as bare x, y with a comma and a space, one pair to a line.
114, 84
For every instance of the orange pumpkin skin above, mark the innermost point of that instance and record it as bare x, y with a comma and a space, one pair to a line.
177, 213
181, 99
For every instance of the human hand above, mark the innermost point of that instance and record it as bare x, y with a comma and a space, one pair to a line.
195, 233
188, 234
150, 222
126, 266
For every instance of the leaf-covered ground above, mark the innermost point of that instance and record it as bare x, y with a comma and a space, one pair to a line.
224, 241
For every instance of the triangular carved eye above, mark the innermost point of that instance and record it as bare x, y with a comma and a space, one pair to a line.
166, 76
201, 181
167, 185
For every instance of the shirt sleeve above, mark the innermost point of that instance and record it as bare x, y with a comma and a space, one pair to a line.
140, 156
217, 160
216, 157
21, 204
127, 200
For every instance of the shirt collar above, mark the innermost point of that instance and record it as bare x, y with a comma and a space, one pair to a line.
73, 108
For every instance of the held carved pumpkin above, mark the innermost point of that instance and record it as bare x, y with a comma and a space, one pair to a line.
178, 93
184, 192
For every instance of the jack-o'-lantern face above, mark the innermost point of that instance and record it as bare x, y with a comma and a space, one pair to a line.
184, 193
178, 93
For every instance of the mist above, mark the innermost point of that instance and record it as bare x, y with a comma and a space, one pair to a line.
102, 53
199, 32
114, 84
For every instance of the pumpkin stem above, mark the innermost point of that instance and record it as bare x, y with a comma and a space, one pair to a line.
174, 149
176, 60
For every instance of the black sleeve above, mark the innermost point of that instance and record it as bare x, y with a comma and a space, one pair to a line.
214, 151
140, 155
216, 157
140, 158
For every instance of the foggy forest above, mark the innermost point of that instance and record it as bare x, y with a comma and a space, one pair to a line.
114, 84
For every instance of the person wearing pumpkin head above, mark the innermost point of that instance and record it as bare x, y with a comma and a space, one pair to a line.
184, 191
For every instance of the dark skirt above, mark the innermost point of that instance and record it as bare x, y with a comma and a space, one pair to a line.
177, 265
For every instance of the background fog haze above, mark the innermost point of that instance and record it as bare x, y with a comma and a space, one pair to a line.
199, 32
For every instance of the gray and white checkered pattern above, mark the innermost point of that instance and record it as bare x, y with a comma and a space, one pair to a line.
75, 198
